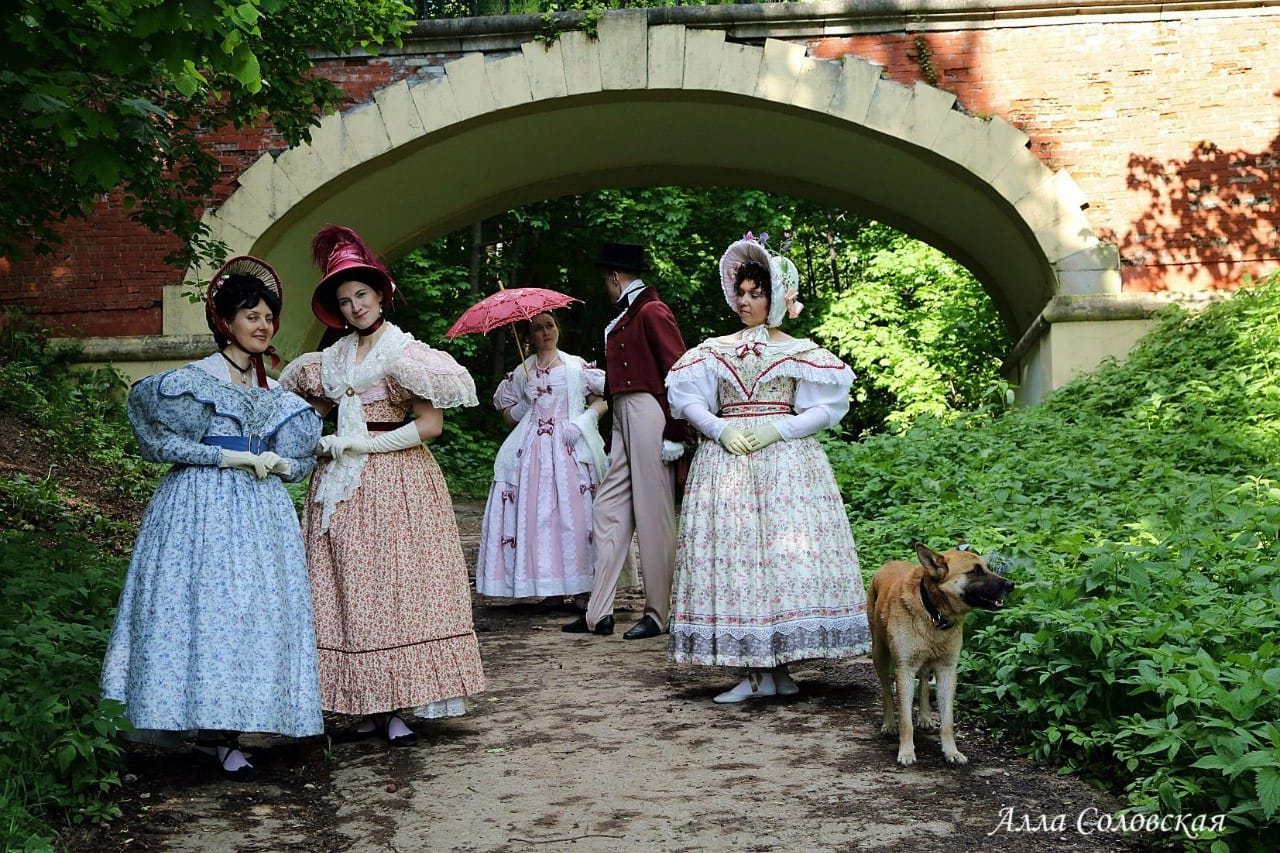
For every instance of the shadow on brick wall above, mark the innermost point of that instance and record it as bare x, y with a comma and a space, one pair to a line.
1211, 218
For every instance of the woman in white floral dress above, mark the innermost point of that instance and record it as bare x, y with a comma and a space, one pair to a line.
766, 568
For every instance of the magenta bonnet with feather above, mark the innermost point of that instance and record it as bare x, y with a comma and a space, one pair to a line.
342, 256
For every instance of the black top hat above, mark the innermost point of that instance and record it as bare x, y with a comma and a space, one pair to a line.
624, 257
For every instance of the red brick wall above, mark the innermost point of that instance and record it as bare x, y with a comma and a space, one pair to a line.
1172, 129
107, 278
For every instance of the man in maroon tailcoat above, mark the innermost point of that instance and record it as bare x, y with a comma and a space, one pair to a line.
637, 494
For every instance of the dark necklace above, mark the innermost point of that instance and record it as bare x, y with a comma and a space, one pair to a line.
244, 371
375, 326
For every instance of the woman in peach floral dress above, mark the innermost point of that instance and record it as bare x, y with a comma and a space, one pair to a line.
393, 608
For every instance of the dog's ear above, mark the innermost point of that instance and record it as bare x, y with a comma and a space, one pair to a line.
935, 563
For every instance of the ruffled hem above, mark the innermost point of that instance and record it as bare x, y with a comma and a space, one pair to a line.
377, 681
163, 731
534, 588
768, 645
454, 706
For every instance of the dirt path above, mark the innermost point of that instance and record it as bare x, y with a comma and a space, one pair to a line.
589, 744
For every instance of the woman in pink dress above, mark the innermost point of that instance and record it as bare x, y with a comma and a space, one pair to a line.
393, 608
536, 537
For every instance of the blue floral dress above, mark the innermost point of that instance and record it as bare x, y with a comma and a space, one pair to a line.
214, 628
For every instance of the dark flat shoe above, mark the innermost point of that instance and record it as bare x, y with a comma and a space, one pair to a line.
604, 627
644, 629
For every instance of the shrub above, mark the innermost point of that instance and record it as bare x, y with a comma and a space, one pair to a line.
57, 599
1143, 501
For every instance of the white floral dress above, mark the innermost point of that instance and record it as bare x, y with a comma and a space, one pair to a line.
766, 568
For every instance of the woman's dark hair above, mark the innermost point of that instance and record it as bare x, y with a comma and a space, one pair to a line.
757, 272
241, 291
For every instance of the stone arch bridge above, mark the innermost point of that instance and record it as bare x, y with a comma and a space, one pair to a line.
1087, 161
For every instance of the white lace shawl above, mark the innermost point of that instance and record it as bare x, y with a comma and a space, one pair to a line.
504, 466
344, 381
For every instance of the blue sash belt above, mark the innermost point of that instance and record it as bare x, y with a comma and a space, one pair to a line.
251, 443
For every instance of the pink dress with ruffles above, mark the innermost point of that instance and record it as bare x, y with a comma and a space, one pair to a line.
392, 604
536, 539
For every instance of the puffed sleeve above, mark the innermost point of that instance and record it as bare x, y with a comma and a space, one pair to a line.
594, 379
818, 406
303, 376
170, 423
429, 374
505, 395
692, 394
295, 439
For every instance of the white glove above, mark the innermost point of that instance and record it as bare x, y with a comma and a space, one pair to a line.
762, 436
243, 460
570, 435
671, 450
276, 464
333, 445
398, 439
734, 441
577, 426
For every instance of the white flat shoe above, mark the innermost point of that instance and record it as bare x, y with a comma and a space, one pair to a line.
743, 691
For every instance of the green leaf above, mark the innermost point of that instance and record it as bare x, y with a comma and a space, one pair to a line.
40, 103
1267, 785
141, 106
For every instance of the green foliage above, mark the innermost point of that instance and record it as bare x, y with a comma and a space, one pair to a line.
59, 756
1144, 499
915, 325
77, 412
117, 94
466, 453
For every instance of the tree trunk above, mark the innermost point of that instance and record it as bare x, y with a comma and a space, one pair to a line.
473, 268
833, 257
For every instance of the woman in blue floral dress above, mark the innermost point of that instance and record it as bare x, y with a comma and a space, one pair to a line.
214, 633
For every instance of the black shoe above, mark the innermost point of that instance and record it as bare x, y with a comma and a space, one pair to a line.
579, 626
644, 629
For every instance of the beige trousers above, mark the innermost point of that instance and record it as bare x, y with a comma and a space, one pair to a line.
636, 496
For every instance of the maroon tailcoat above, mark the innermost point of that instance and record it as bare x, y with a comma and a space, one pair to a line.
639, 351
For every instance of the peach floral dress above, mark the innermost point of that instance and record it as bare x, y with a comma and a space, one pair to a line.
392, 604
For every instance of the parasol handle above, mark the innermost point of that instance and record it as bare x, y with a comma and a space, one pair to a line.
514, 334
520, 349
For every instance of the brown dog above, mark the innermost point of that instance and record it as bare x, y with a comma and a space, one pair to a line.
917, 624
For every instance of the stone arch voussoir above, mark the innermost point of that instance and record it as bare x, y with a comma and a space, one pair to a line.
631, 55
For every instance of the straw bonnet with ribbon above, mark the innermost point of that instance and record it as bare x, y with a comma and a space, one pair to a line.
342, 256
783, 275
259, 270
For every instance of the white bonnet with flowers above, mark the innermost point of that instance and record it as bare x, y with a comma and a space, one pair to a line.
784, 276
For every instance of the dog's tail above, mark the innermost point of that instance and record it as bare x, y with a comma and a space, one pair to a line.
872, 594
